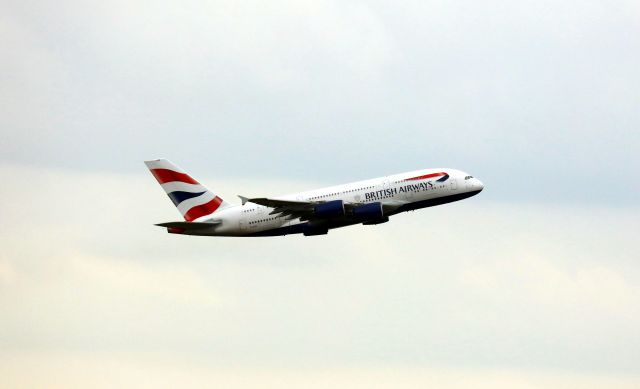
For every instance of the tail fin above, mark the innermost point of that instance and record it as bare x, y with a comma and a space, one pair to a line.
192, 199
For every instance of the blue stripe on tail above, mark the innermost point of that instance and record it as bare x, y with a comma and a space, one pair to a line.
177, 197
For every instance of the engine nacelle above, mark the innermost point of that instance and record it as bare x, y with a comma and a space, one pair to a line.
334, 208
369, 212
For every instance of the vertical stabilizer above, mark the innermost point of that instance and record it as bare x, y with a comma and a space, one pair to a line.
192, 199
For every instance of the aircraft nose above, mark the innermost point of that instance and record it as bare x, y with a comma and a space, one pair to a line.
479, 184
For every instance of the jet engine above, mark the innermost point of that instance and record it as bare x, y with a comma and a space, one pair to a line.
334, 208
368, 211
371, 213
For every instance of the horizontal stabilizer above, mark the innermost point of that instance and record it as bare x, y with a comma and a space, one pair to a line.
190, 226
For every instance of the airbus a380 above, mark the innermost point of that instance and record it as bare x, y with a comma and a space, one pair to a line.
314, 212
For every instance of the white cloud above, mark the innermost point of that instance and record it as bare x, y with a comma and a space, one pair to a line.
545, 282
481, 286
69, 370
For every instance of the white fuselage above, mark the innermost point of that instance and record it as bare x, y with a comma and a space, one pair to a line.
399, 193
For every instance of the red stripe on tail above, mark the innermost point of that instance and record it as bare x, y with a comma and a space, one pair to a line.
165, 175
426, 176
204, 209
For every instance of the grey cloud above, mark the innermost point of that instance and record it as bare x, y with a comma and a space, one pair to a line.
525, 95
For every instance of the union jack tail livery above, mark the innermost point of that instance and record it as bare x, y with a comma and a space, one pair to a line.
193, 200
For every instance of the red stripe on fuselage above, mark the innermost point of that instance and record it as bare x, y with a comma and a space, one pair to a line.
165, 175
204, 209
426, 176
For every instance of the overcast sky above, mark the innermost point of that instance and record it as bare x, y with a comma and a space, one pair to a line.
533, 283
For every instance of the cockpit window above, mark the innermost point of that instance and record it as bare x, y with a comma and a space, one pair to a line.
468, 177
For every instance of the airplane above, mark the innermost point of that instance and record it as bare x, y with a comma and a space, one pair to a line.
311, 213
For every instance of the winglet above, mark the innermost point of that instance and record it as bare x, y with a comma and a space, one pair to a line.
243, 199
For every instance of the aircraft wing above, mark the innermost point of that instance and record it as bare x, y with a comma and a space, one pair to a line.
286, 208
275, 203
305, 210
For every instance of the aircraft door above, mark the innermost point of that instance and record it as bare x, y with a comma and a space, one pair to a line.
453, 185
